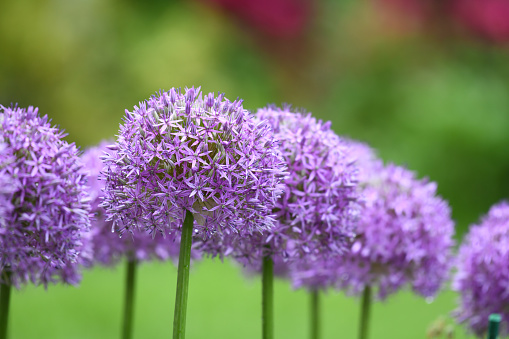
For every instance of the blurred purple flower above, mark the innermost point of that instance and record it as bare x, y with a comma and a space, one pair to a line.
44, 231
404, 234
320, 271
482, 279
178, 151
316, 212
109, 247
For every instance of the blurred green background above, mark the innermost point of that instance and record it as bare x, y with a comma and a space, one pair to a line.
434, 102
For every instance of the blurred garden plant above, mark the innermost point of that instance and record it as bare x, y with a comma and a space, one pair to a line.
482, 20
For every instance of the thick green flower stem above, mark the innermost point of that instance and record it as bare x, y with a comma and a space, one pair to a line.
130, 283
314, 314
365, 310
267, 298
5, 296
179, 320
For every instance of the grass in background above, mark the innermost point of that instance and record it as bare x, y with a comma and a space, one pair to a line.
222, 304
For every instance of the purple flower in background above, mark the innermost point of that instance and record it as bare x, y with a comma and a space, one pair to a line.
313, 274
109, 247
316, 211
178, 151
482, 278
44, 230
404, 234
320, 271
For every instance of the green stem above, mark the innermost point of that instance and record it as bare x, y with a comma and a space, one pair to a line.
186, 240
5, 296
365, 313
267, 298
130, 280
315, 314
494, 325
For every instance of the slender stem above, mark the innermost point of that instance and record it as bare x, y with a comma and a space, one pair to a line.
315, 314
5, 296
130, 283
267, 298
366, 306
179, 320
494, 321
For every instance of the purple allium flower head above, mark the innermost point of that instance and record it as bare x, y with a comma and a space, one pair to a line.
482, 279
44, 231
180, 151
315, 212
404, 234
109, 247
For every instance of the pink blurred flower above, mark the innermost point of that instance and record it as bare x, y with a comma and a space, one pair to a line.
488, 19
277, 18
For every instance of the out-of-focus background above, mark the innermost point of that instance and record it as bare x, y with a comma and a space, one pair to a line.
425, 82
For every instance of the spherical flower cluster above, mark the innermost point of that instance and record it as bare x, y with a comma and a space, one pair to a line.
316, 212
109, 247
43, 233
404, 235
482, 278
178, 151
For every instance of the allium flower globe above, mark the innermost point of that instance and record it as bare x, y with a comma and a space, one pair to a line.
404, 234
315, 213
180, 151
482, 278
43, 233
109, 247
